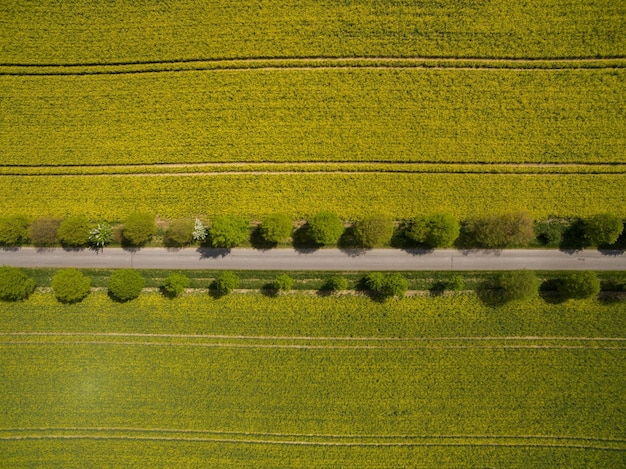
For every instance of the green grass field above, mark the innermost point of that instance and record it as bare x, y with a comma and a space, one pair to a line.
249, 380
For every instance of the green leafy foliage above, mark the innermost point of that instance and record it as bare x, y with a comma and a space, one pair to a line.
179, 232
501, 231
139, 228
374, 281
70, 285
125, 285
518, 285
226, 283
276, 227
550, 232
603, 229
101, 235
13, 230
15, 285
325, 228
456, 283
579, 285
386, 286
336, 283
373, 231
228, 231
443, 230
74, 231
283, 283
43, 231
175, 284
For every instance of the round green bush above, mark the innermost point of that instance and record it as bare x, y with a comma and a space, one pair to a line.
325, 228
139, 228
276, 228
579, 285
501, 231
518, 285
13, 230
456, 283
443, 230
394, 285
228, 231
175, 284
179, 233
74, 231
373, 231
417, 229
15, 285
603, 229
125, 285
70, 286
226, 283
283, 283
336, 283
375, 281
43, 231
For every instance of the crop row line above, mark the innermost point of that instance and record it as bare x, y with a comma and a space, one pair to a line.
307, 338
303, 63
315, 347
530, 444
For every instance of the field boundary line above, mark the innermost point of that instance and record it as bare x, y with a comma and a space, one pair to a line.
311, 63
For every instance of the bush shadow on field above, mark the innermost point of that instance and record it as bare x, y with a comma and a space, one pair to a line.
302, 241
258, 242
490, 294
214, 292
213, 253
573, 238
349, 245
549, 292
438, 288
269, 290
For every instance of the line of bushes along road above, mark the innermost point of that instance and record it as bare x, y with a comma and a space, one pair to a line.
440, 230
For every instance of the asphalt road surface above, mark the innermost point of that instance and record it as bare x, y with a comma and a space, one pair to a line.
322, 259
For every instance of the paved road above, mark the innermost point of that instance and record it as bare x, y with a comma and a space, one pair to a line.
323, 259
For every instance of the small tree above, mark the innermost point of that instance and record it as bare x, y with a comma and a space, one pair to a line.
13, 230
228, 231
443, 230
375, 281
74, 231
15, 285
373, 231
325, 228
101, 235
550, 232
180, 232
456, 283
518, 285
139, 228
579, 285
283, 283
70, 286
500, 231
200, 231
226, 283
276, 228
336, 283
395, 285
125, 285
43, 231
175, 284
603, 229
418, 229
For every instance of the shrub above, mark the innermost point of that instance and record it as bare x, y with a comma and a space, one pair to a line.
199, 231
395, 285
418, 229
74, 231
175, 284
283, 283
336, 283
180, 232
443, 230
375, 281
43, 231
13, 230
603, 229
125, 285
226, 283
15, 285
518, 285
228, 231
139, 228
500, 231
456, 283
101, 235
70, 286
373, 231
325, 228
276, 228
579, 285
550, 232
